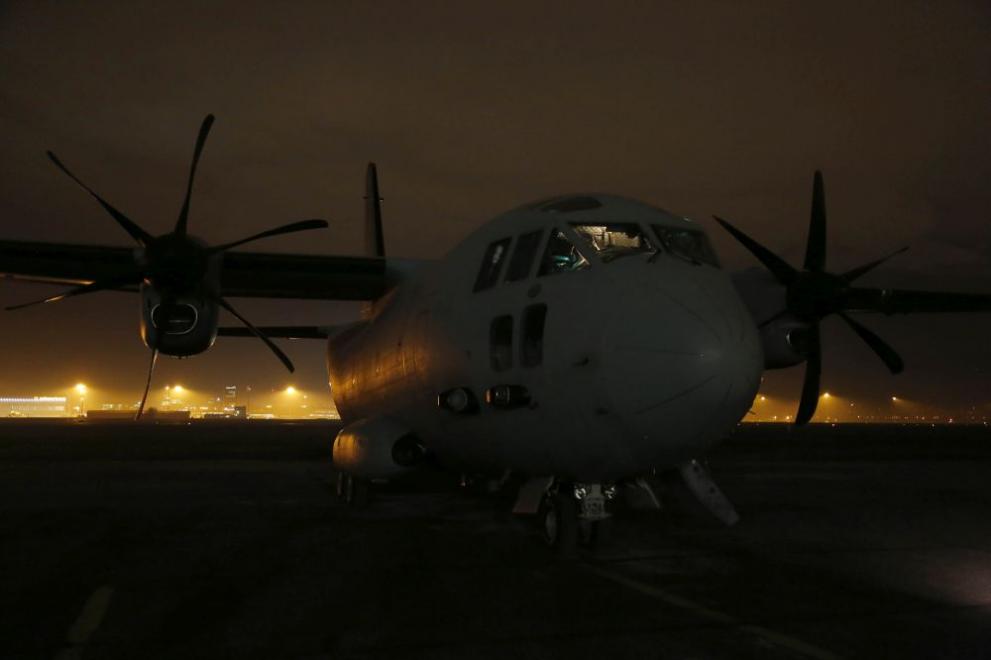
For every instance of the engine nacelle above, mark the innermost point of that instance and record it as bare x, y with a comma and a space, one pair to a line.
376, 448
179, 325
784, 342
782, 339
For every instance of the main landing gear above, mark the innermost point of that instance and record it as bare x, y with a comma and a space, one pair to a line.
575, 514
352, 490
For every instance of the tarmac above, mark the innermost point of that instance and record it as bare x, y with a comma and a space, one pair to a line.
214, 540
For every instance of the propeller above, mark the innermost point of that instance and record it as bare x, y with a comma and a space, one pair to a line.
174, 263
813, 293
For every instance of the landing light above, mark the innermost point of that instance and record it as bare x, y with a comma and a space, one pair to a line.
81, 388
458, 400
290, 390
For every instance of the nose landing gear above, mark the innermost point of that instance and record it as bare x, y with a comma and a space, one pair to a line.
575, 514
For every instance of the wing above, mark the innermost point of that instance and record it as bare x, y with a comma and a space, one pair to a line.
905, 301
263, 275
245, 274
284, 331
62, 264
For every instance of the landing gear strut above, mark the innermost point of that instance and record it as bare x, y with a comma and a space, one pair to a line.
352, 490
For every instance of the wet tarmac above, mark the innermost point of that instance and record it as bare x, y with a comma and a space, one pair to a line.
221, 540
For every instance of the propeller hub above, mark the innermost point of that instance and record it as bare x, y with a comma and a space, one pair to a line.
174, 263
812, 295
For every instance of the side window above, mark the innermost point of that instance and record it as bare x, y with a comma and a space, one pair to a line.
501, 342
688, 244
561, 255
532, 347
495, 255
523, 255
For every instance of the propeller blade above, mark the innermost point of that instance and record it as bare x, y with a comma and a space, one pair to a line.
854, 273
142, 237
374, 238
180, 227
813, 371
92, 287
258, 333
887, 354
815, 248
144, 397
780, 268
302, 225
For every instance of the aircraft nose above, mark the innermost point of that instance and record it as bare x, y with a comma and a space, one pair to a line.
681, 366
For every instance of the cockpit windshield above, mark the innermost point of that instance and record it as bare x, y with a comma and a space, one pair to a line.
615, 239
688, 244
561, 256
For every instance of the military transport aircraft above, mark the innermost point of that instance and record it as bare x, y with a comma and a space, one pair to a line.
581, 342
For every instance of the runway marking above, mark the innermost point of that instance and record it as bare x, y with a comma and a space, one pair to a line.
704, 612
88, 621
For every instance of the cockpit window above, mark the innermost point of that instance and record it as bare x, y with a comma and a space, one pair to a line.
521, 262
615, 239
561, 255
495, 255
688, 244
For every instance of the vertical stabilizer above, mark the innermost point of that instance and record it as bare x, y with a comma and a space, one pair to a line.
374, 238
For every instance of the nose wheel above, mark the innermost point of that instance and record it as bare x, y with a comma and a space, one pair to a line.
559, 522
575, 514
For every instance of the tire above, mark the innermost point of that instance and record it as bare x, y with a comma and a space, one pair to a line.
598, 534
559, 522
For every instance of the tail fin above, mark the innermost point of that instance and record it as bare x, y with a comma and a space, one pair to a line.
374, 237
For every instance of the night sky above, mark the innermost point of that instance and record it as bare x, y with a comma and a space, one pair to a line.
713, 108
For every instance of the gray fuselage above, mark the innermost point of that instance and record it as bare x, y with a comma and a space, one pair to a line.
643, 361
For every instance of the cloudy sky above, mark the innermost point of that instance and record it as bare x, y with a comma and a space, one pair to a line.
469, 109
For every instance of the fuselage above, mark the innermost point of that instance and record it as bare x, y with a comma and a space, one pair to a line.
630, 346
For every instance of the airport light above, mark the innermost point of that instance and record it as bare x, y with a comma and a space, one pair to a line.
177, 389
894, 398
81, 390
825, 395
290, 390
